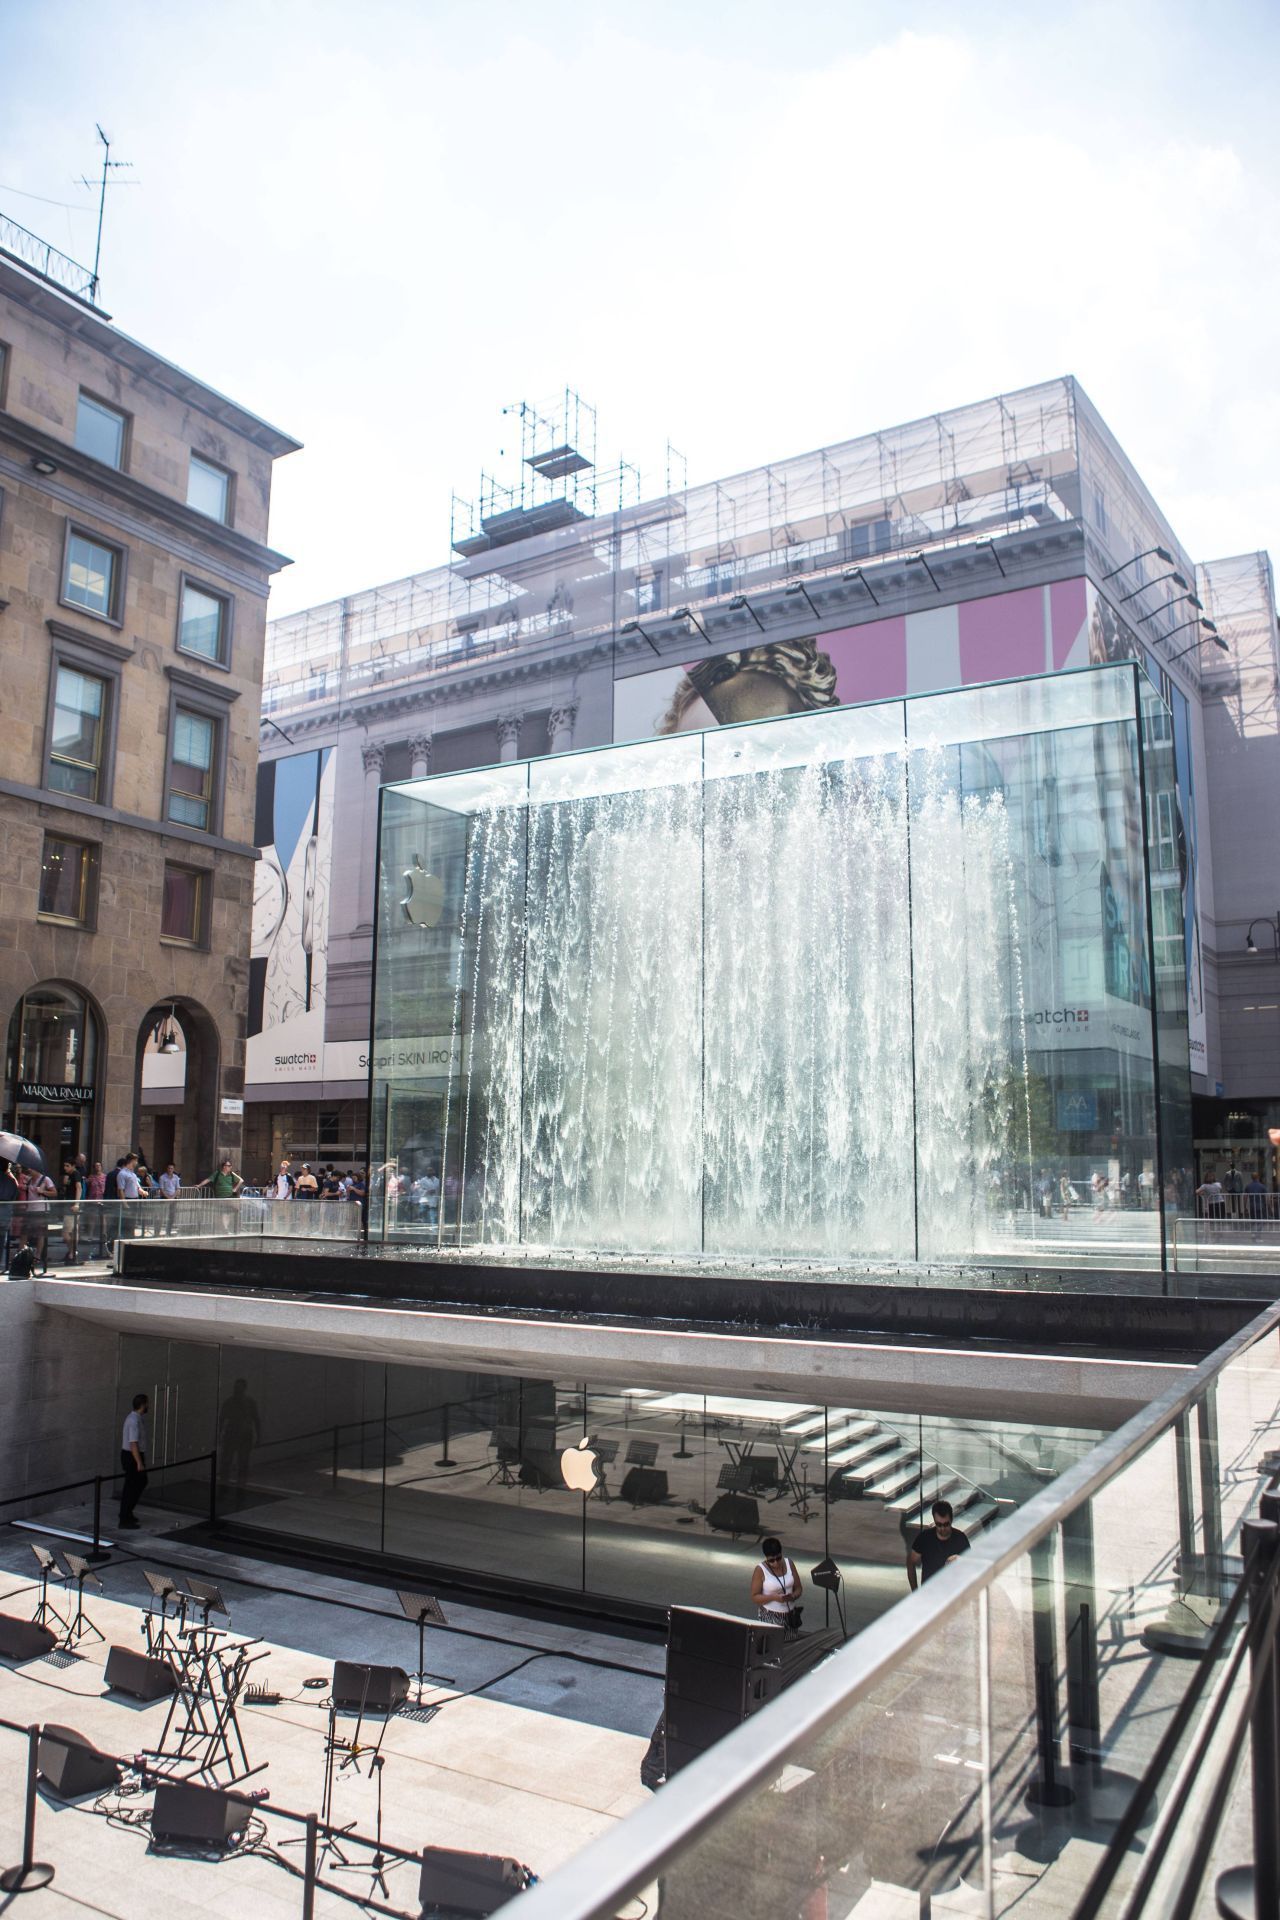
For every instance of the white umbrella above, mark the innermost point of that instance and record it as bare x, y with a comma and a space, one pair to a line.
22, 1152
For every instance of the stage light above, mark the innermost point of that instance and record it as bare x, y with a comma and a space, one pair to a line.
741, 604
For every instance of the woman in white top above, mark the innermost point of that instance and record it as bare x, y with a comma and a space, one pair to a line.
776, 1587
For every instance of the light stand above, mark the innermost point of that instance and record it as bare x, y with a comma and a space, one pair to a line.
828, 1576
81, 1572
423, 1611
45, 1610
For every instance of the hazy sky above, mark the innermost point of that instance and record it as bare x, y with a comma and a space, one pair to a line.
751, 228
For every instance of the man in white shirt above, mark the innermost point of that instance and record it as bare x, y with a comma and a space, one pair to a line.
128, 1185
133, 1459
283, 1189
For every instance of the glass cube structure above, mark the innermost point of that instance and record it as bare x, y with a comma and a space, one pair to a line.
867, 986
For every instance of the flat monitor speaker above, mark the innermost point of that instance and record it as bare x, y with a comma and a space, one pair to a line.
734, 1513
375, 1689
24, 1639
727, 1639
737, 1690
185, 1815
468, 1883
691, 1724
138, 1675
70, 1765
644, 1486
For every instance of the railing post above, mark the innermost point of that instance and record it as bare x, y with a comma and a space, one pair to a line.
97, 1553
1248, 1893
309, 1871
213, 1488
30, 1873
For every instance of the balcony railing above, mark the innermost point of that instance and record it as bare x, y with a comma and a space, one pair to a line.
1012, 1735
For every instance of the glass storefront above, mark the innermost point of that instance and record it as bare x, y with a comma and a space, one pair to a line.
869, 984
469, 1474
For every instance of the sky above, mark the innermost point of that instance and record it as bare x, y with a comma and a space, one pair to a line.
745, 227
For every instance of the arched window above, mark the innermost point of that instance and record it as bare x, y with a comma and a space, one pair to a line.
53, 1039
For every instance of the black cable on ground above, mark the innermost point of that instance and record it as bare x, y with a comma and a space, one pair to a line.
381, 1613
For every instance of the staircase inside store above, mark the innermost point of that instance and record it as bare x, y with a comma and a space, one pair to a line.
867, 1459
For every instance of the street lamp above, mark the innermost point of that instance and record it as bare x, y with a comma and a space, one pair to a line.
1273, 928
1159, 580
798, 586
687, 613
1148, 553
1210, 633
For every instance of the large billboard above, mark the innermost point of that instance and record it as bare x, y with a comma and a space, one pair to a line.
289, 951
1006, 636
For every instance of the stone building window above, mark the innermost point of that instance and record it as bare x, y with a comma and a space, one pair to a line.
209, 489
78, 736
182, 916
101, 430
193, 759
204, 623
68, 881
93, 575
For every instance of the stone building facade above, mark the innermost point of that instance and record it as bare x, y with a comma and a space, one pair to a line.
134, 572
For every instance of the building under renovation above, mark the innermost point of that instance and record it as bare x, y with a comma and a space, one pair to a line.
996, 542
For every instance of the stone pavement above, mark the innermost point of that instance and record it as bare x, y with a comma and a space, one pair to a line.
535, 1747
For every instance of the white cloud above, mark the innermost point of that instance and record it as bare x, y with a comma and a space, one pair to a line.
753, 232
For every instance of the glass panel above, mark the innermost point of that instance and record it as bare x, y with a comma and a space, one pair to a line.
474, 1477
300, 1444
806, 966
64, 878
75, 753
91, 575
963, 921
882, 1813
208, 488
180, 913
201, 627
100, 431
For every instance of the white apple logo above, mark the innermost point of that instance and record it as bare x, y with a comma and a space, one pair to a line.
580, 1466
424, 902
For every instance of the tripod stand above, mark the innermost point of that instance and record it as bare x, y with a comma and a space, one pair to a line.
80, 1624
45, 1609
377, 1867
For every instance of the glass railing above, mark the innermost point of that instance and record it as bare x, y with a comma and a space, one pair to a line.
1006, 1736
58, 1234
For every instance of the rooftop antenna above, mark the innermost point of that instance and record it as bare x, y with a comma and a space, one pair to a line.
108, 165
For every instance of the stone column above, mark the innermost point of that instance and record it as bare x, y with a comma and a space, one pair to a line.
509, 726
560, 727
372, 754
420, 756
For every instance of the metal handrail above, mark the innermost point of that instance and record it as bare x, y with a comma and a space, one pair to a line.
616, 1865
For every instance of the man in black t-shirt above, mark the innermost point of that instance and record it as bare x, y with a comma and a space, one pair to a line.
934, 1547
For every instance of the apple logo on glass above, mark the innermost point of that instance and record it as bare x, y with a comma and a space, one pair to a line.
580, 1466
424, 901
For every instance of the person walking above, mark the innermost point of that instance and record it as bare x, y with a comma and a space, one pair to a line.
133, 1459
935, 1547
776, 1587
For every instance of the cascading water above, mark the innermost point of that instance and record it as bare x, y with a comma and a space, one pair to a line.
773, 1013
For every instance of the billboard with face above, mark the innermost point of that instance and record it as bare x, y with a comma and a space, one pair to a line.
1012, 635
